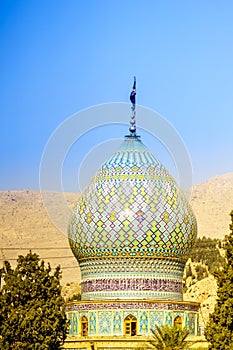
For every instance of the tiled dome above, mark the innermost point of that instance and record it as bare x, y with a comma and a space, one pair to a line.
132, 207
132, 213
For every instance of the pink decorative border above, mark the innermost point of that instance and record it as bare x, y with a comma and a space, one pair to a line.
136, 284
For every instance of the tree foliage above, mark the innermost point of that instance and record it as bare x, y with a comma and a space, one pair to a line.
206, 251
169, 337
31, 306
219, 331
205, 259
201, 272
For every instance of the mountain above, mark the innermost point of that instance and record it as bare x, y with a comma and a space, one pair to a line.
25, 224
212, 203
204, 292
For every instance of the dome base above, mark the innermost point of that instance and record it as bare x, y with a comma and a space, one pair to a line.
139, 278
109, 318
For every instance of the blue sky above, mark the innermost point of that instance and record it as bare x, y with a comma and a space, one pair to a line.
59, 57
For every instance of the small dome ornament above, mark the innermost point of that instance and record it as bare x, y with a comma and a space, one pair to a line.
132, 128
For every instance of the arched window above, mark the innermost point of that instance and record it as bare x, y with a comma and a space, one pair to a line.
130, 325
84, 326
178, 321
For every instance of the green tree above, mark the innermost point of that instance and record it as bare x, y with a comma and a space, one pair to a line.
201, 272
206, 251
31, 306
219, 331
169, 337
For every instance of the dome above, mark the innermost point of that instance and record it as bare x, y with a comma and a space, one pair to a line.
132, 223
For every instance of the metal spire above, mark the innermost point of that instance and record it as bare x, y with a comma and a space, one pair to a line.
132, 127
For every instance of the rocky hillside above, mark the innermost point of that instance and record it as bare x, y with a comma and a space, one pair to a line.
204, 292
25, 225
212, 202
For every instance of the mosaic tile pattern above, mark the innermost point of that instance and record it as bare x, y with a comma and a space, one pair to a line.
143, 323
145, 267
73, 318
132, 208
168, 318
192, 323
156, 317
126, 294
92, 323
110, 322
141, 284
123, 305
104, 322
117, 323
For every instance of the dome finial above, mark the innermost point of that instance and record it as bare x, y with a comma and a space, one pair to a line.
132, 128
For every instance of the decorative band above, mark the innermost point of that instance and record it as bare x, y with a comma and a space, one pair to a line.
102, 177
136, 284
132, 305
86, 253
166, 268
